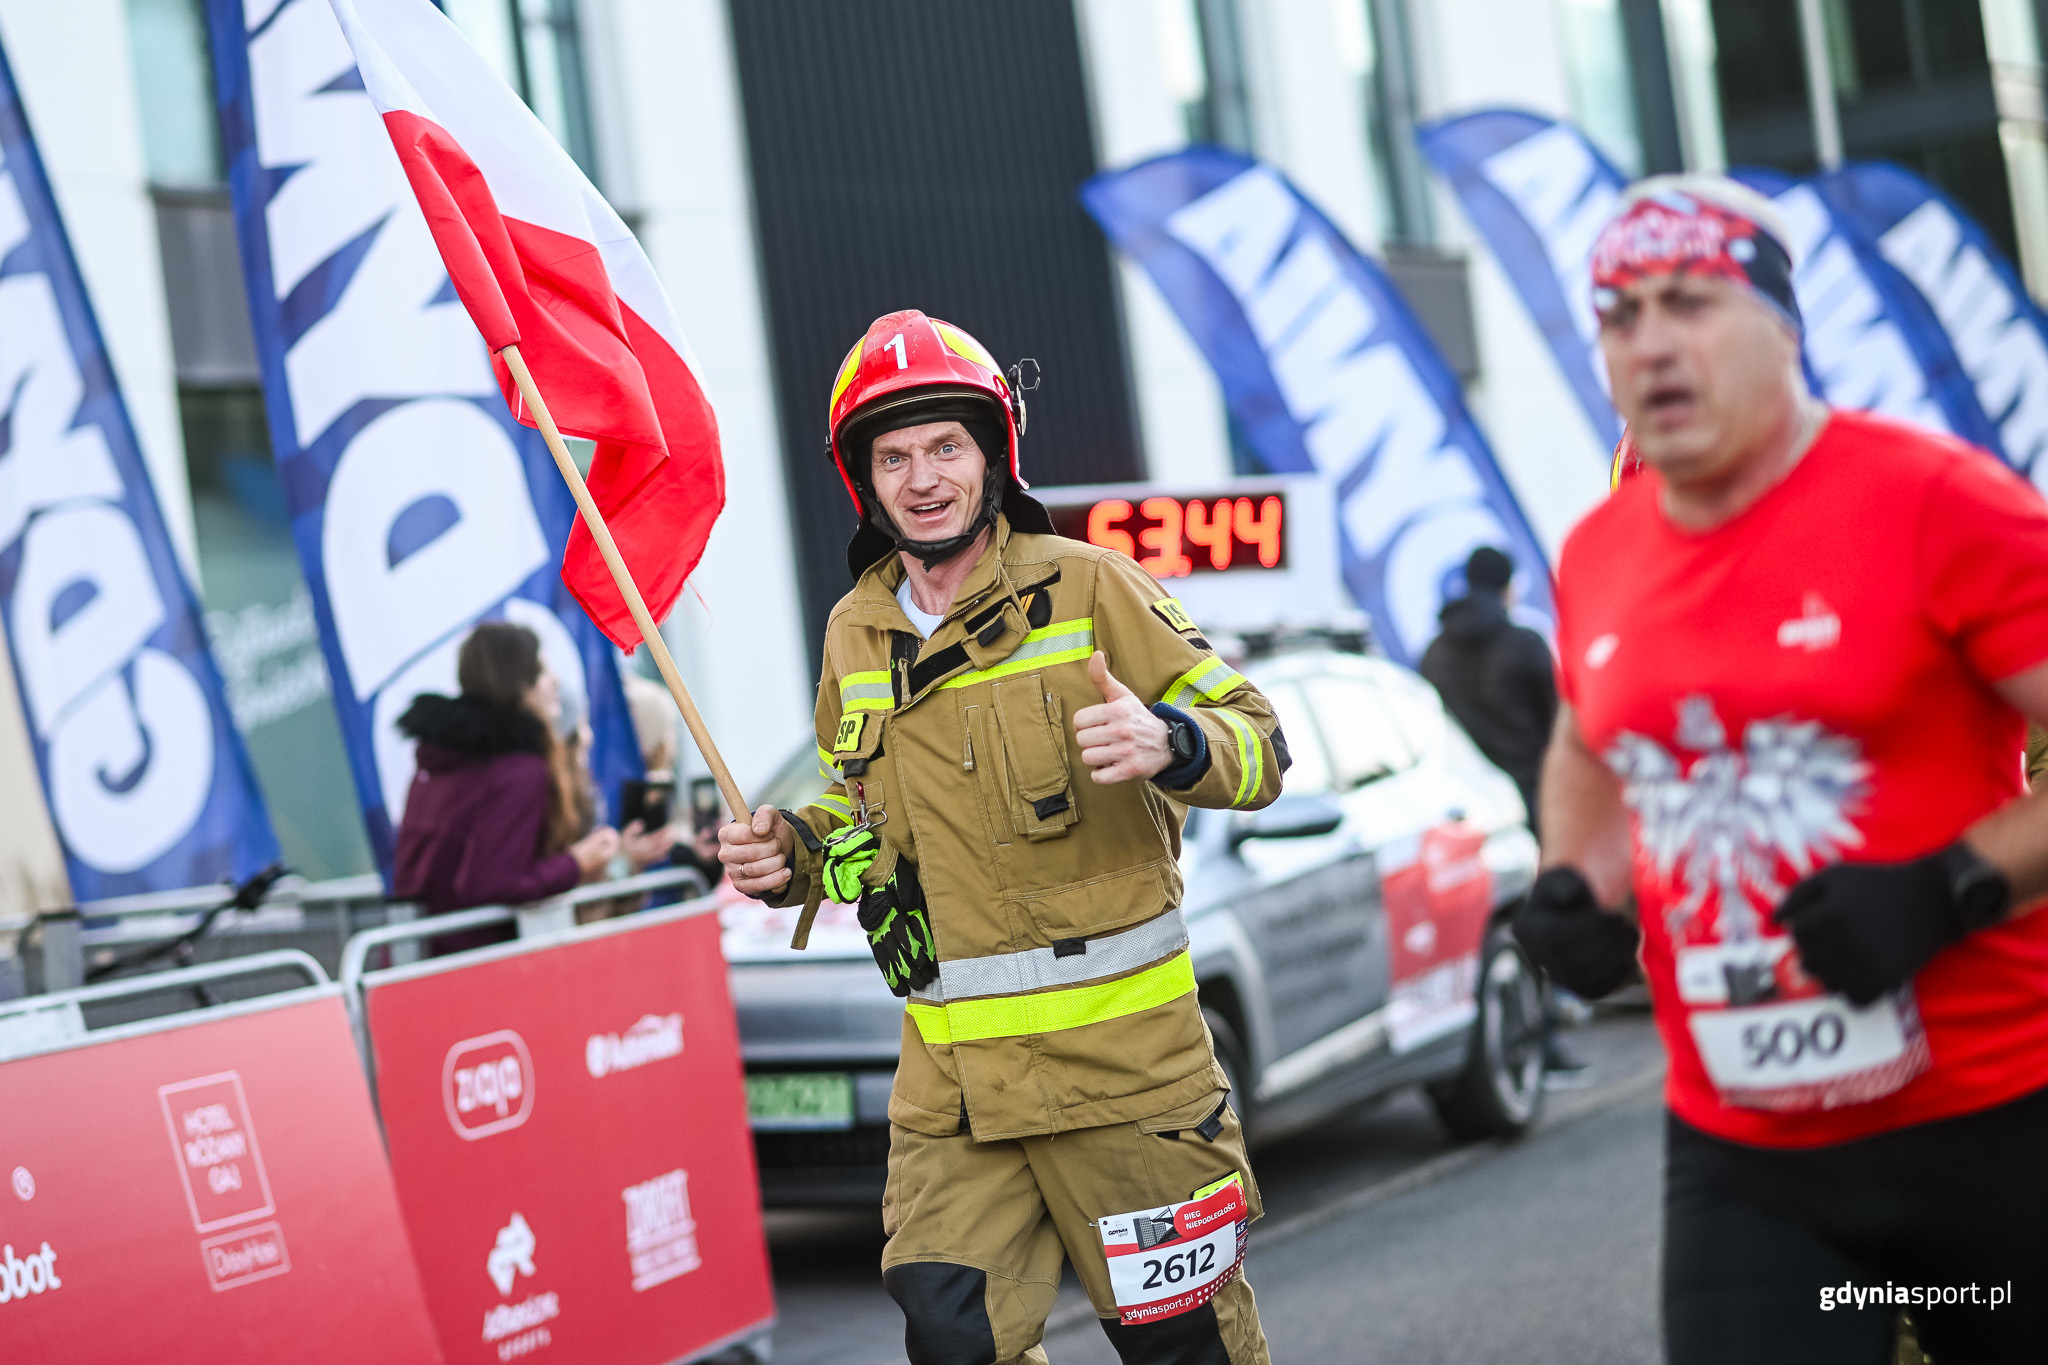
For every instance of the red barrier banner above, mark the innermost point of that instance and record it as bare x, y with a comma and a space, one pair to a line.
568, 1129
212, 1189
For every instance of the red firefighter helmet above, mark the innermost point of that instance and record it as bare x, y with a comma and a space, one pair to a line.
908, 358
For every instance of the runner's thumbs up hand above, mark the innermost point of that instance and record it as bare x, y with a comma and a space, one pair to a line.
1105, 682
1120, 739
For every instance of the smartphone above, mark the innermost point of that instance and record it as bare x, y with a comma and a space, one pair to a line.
647, 802
707, 808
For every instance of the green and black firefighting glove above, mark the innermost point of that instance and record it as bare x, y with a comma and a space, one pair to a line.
900, 936
893, 915
848, 854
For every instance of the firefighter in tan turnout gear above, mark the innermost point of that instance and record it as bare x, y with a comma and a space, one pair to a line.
1013, 724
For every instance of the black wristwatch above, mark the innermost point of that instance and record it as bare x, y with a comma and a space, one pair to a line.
1182, 739
1981, 893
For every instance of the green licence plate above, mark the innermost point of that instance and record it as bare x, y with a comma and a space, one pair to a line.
782, 1101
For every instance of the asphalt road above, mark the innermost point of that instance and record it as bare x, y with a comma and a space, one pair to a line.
1383, 1241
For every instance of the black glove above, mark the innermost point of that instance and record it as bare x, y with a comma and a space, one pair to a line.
1864, 929
899, 930
1585, 949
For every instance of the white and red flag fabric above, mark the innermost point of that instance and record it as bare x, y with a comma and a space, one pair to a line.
541, 260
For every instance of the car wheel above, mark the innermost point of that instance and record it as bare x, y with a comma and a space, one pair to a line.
1230, 1056
1499, 1093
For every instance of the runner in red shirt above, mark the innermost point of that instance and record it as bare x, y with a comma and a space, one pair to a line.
1798, 655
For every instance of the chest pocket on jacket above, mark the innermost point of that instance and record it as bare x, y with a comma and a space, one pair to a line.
1032, 723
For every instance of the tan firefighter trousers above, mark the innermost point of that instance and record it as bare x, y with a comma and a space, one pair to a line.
977, 1232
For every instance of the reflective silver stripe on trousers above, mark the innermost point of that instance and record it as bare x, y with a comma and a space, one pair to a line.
1036, 969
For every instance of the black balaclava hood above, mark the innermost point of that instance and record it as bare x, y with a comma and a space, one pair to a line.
878, 534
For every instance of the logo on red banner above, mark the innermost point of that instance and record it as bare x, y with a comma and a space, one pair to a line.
216, 1150
487, 1084
20, 1278
209, 1188
661, 1237
517, 1329
653, 1038
637, 1238
238, 1258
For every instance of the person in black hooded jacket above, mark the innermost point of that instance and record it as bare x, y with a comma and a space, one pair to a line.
1495, 677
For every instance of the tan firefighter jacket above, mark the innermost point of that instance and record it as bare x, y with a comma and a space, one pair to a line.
1067, 996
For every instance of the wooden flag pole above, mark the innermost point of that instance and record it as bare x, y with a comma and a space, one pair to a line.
734, 801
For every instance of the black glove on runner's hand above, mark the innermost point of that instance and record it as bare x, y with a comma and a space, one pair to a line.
1865, 929
1585, 949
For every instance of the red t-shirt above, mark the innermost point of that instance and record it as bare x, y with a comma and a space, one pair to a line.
1807, 683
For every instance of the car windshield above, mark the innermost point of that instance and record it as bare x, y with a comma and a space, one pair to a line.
1310, 771
1365, 744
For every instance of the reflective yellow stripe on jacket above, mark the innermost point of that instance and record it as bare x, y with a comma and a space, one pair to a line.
1211, 680
867, 691
1014, 1016
1062, 642
1250, 759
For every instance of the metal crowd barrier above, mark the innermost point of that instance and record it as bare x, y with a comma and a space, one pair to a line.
85, 1115
593, 1015
317, 918
541, 917
42, 1023
631, 1119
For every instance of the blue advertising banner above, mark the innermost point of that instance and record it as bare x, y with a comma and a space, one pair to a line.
1539, 193
1326, 371
418, 505
147, 783
1965, 295
1868, 344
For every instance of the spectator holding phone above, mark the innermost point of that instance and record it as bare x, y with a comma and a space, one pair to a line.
493, 814
654, 725
650, 838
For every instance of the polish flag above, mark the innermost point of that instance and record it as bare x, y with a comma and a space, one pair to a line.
539, 258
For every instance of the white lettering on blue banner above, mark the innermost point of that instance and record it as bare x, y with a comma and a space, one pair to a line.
1539, 193
1855, 349
143, 771
420, 506
1307, 326
1567, 194
1992, 328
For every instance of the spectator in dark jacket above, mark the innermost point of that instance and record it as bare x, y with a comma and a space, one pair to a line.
1495, 677
492, 815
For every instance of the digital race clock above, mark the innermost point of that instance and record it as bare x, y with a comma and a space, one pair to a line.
1238, 554
1174, 535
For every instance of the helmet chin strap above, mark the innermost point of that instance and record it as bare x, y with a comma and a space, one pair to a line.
932, 553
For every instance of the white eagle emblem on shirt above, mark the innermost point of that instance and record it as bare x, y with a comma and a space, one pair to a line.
1727, 821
